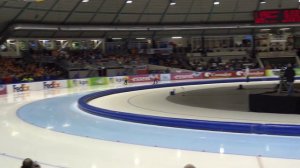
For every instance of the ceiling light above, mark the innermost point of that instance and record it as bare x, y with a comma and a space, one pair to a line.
265, 29
176, 37
263, 2
216, 3
129, 1
116, 38
283, 29
85, 0
140, 38
172, 2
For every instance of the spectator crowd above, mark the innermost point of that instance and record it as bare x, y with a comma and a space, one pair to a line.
15, 70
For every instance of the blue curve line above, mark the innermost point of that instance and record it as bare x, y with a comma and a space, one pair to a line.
63, 115
236, 127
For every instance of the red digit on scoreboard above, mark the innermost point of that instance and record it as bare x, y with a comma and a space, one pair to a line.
267, 16
291, 16
277, 16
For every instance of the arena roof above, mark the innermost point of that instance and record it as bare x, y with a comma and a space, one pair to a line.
159, 13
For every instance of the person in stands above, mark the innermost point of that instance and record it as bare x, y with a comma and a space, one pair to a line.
289, 74
28, 163
189, 166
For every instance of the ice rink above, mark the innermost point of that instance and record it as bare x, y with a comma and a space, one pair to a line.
48, 127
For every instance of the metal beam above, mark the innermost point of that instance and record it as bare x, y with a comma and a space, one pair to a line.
72, 11
69, 15
149, 13
257, 9
118, 13
7, 30
209, 15
116, 16
47, 12
7, 25
140, 15
95, 14
97, 11
253, 31
161, 18
234, 10
46, 27
189, 11
3, 4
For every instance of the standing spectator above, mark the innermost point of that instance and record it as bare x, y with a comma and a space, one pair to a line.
290, 78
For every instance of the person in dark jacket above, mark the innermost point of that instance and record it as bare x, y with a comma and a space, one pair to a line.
28, 163
289, 74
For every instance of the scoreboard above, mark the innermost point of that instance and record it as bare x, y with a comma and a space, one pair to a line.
277, 16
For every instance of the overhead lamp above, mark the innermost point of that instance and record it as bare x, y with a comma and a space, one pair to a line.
116, 38
217, 3
265, 29
85, 0
172, 2
286, 28
25, 27
129, 1
140, 38
176, 37
263, 2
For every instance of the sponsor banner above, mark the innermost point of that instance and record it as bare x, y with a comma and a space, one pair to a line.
78, 83
297, 70
3, 89
219, 74
252, 73
22, 87
34, 86
143, 78
186, 75
98, 81
276, 72
257, 73
54, 84
165, 77
272, 72
117, 79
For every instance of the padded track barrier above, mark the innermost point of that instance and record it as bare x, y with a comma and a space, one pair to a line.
236, 127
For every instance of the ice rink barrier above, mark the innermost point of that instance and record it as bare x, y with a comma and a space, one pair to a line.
235, 127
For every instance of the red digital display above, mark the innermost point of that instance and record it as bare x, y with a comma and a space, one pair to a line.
277, 16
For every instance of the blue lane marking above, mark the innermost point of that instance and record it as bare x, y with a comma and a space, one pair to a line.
62, 115
237, 127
